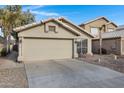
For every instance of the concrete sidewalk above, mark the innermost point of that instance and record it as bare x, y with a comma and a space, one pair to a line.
71, 73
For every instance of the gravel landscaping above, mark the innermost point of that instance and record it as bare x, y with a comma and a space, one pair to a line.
106, 61
13, 78
12, 74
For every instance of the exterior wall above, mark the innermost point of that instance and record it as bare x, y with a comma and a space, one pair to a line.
98, 23
110, 45
40, 31
89, 44
122, 46
76, 29
111, 26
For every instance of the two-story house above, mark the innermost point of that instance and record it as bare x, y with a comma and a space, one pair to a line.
112, 36
93, 26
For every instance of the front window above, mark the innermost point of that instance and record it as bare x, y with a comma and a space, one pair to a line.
110, 29
52, 28
94, 31
82, 46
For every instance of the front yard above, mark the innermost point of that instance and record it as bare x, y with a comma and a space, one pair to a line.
12, 74
107, 61
13, 78
62, 73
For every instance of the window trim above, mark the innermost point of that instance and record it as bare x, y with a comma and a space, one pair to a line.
52, 26
94, 27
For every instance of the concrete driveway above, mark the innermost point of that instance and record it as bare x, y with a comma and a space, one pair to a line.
71, 73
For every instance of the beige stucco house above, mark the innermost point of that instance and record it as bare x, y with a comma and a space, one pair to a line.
112, 42
52, 39
93, 26
112, 39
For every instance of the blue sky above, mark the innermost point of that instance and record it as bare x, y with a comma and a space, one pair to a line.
78, 13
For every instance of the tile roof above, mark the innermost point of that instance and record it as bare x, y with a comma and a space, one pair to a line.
121, 27
113, 34
21, 28
102, 17
25, 26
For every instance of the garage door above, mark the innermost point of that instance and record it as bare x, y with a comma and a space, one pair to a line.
45, 49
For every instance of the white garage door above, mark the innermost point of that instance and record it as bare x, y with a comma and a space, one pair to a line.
45, 49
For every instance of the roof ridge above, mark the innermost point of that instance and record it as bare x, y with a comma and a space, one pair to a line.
75, 25
94, 20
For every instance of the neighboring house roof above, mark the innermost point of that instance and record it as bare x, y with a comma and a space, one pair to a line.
22, 28
96, 20
112, 34
121, 27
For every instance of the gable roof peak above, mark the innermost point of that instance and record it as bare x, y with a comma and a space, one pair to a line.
68, 21
101, 17
58, 20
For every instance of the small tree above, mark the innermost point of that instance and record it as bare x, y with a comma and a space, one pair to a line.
12, 16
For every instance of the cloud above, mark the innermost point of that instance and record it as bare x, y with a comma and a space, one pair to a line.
32, 7
45, 13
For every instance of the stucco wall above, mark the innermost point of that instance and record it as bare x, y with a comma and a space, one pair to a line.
40, 31
98, 23
111, 45
122, 45
76, 29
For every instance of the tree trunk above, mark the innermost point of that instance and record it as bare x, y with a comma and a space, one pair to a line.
100, 37
7, 40
5, 44
8, 43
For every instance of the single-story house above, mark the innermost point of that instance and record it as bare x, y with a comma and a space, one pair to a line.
93, 26
52, 39
112, 42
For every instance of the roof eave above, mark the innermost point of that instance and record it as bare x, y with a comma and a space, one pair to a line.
61, 18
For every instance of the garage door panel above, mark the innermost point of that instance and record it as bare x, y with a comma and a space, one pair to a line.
43, 49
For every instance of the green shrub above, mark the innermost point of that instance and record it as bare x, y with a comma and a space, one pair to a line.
3, 52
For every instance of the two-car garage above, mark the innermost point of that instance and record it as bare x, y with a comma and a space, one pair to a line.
45, 49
